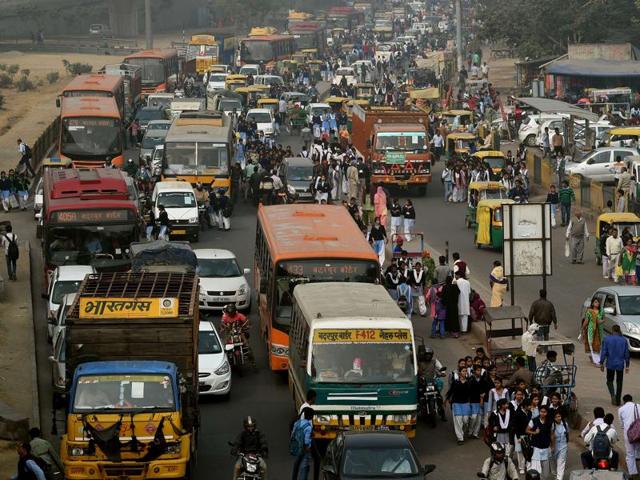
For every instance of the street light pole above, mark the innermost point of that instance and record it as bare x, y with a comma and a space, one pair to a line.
459, 33
147, 24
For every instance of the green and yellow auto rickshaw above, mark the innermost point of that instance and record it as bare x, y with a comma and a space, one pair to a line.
489, 227
478, 191
364, 91
459, 143
457, 117
494, 160
618, 220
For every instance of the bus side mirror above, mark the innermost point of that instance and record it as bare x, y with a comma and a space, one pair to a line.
58, 102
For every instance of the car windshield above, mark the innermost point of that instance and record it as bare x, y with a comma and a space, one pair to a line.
379, 462
217, 77
229, 105
208, 343
158, 126
218, 268
362, 356
123, 392
91, 136
259, 117
63, 288
300, 174
345, 71
176, 200
150, 141
404, 141
629, 304
320, 110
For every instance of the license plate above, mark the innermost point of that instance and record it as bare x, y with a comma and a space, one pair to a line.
179, 232
223, 299
363, 427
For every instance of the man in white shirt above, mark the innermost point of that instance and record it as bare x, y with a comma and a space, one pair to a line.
598, 419
463, 300
606, 427
628, 413
613, 247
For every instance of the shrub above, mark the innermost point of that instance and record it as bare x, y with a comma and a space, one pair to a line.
25, 72
53, 77
24, 84
5, 81
13, 69
3, 67
76, 68
1, 102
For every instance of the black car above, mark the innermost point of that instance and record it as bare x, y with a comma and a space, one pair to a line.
379, 455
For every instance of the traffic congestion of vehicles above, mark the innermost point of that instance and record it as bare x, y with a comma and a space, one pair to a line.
152, 318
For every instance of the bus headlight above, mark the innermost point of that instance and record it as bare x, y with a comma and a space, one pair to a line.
76, 451
322, 419
173, 448
401, 418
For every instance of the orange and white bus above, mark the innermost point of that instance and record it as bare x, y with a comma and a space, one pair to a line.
263, 49
96, 85
159, 69
91, 132
300, 244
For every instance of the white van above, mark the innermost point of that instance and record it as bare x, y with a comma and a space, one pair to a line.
249, 69
163, 99
269, 80
179, 201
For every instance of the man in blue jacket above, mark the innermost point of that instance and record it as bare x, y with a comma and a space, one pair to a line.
615, 355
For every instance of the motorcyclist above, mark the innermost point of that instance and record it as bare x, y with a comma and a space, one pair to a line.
498, 466
202, 199
430, 369
131, 168
230, 315
250, 440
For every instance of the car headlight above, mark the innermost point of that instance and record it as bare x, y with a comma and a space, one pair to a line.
632, 327
242, 290
193, 220
322, 419
76, 451
173, 448
224, 369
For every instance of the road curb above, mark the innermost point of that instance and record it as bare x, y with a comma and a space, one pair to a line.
35, 399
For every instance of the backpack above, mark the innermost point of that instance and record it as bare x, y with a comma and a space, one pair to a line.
12, 250
601, 445
296, 441
27, 150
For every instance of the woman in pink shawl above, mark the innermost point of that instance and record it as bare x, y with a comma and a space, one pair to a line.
380, 204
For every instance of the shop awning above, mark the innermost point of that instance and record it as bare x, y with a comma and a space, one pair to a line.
595, 68
548, 105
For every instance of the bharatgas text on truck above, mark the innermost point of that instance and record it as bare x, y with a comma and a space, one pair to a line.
132, 376
395, 143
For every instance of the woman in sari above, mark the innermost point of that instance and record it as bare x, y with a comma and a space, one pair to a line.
498, 284
592, 330
628, 261
380, 204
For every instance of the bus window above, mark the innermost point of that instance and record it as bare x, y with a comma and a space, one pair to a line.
283, 304
180, 158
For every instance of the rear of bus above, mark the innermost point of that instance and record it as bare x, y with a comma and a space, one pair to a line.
91, 132
357, 353
298, 244
159, 69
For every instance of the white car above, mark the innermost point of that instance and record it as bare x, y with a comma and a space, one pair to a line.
347, 73
38, 198
179, 201
247, 69
264, 120
214, 371
64, 280
58, 368
598, 165
217, 81
60, 322
317, 109
600, 129
530, 127
221, 280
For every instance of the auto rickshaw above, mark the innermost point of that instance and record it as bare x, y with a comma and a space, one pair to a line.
314, 70
489, 226
495, 161
310, 53
364, 91
623, 137
244, 93
457, 117
620, 220
234, 81
336, 102
459, 143
291, 65
270, 103
481, 191
293, 98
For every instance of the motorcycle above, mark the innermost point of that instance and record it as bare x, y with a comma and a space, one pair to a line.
249, 465
235, 347
430, 402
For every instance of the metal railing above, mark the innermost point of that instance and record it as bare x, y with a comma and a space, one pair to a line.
43, 144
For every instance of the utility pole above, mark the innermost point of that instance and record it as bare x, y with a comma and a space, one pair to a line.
147, 24
458, 34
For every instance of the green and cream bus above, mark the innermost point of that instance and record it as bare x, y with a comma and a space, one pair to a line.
351, 343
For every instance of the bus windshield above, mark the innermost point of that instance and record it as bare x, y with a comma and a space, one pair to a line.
123, 392
190, 158
257, 51
291, 273
362, 356
153, 71
90, 136
408, 141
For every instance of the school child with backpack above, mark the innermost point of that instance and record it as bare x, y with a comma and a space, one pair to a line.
600, 440
300, 445
11, 251
559, 444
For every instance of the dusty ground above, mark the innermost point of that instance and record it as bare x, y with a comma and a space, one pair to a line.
502, 71
26, 114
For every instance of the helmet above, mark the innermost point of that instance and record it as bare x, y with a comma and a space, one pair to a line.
532, 475
231, 309
249, 422
497, 448
427, 353
199, 186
